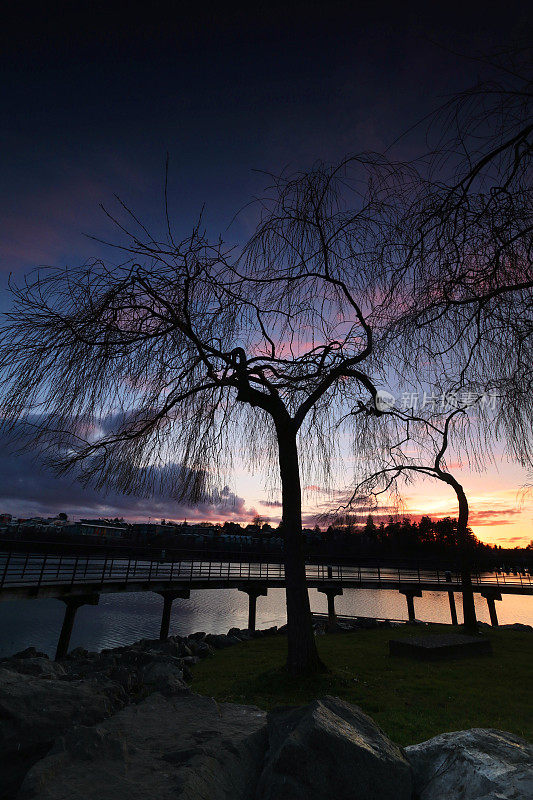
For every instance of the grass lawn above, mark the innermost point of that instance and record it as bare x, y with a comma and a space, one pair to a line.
412, 701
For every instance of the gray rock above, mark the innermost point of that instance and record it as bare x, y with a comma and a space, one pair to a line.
168, 646
81, 669
133, 657
184, 747
331, 749
39, 667
477, 764
144, 644
33, 712
239, 635
178, 639
201, 649
190, 661
78, 652
126, 677
199, 636
218, 641
516, 626
90, 744
30, 652
366, 623
338, 627
165, 678
144, 658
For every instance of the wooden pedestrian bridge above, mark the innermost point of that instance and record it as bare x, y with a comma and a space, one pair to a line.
79, 579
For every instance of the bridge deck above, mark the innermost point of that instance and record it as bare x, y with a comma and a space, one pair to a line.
29, 575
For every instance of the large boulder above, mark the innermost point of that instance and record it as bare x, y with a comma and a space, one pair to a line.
138, 669
200, 648
164, 678
39, 666
199, 636
33, 712
330, 749
477, 764
184, 747
270, 631
170, 647
29, 652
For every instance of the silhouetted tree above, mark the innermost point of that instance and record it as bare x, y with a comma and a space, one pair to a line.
370, 529
149, 375
420, 436
425, 530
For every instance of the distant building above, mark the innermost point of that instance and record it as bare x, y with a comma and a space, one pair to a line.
102, 529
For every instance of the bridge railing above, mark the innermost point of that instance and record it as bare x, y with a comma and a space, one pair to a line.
28, 570
36, 570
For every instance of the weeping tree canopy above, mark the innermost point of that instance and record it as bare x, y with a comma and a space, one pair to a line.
426, 443
467, 225
154, 374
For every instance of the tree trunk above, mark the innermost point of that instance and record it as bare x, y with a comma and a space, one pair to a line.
302, 655
469, 608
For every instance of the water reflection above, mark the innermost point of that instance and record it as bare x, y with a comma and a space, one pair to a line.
124, 618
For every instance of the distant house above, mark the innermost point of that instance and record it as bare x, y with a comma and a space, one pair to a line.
101, 528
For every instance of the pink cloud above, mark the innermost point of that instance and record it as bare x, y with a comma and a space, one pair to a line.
493, 517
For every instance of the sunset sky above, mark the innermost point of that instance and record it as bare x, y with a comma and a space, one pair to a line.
91, 105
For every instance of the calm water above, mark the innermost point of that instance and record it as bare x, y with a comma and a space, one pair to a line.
124, 618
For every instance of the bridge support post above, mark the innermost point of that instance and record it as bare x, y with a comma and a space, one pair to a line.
72, 604
331, 593
451, 598
168, 598
453, 610
410, 595
253, 593
491, 596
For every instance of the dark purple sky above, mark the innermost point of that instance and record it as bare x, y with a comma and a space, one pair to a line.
91, 102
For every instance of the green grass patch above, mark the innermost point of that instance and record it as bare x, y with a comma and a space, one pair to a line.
412, 701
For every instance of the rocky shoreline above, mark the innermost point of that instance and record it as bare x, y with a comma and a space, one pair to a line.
124, 723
